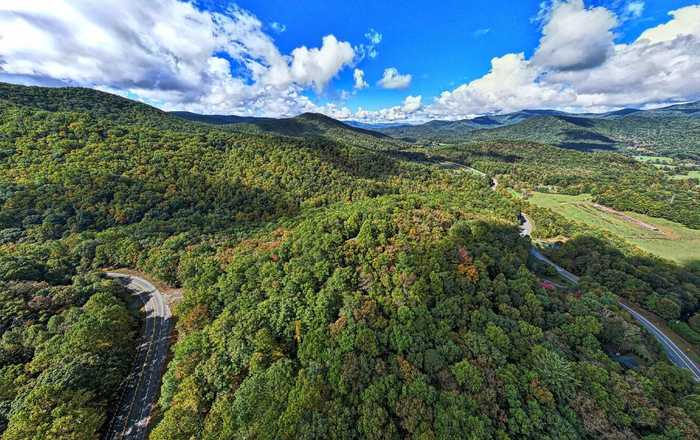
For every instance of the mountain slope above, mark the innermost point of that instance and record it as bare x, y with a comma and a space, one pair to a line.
673, 130
306, 125
330, 290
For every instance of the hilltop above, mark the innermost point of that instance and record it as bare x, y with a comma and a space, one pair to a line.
306, 125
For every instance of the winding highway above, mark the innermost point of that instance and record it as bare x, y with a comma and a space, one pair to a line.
131, 418
675, 354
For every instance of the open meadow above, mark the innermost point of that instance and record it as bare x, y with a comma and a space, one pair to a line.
664, 238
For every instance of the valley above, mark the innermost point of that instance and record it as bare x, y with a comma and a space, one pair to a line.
331, 273
248, 220
657, 236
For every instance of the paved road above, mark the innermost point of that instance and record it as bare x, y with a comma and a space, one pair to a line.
560, 270
142, 384
675, 353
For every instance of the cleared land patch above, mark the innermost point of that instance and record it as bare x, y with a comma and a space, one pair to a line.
690, 175
657, 236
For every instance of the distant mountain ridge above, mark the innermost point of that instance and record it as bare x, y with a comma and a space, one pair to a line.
288, 126
672, 130
687, 109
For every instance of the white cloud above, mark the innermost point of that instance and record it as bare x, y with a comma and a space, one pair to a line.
359, 77
661, 66
166, 52
392, 79
318, 66
510, 85
575, 37
411, 104
634, 9
481, 32
335, 111
685, 22
278, 27
169, 53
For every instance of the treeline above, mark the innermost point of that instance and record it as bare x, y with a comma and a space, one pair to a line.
66, 344
408, 317
330, 290
667, 289
614, 180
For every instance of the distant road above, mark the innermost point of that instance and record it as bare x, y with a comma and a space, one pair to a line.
132, 416
526, 231
675, 354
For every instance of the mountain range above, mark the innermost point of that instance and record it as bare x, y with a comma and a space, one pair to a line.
672, 130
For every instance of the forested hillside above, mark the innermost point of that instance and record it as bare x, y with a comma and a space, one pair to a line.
332, 288
67, 343
613, 180
407, 317
673, 131
306, 125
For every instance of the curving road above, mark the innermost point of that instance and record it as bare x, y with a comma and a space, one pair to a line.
675, 354
132, 416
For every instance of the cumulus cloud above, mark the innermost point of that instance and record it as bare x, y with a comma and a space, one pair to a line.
359, 77
392, 79
166, 52
174, 55
318, 66
511, 84
408, 108
369, 49
575, 37
334, 111
660, 67
411, 104
685, 22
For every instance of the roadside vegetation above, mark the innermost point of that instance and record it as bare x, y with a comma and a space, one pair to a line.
67, 343
331, 290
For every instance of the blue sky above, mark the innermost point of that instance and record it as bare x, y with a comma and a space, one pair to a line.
279, 58
441, 44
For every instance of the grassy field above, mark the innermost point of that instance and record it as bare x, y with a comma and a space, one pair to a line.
672, 240
690, 175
